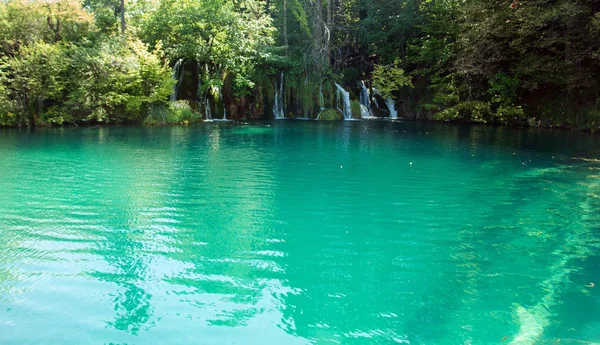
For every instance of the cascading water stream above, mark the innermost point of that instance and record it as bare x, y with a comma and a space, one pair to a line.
321, 98
278, 109
390, 104
376, 103
223, 103
207, 111
321, 101
345, 97
365, 101
177, 75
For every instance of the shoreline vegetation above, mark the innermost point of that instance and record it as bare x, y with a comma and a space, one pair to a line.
530, 63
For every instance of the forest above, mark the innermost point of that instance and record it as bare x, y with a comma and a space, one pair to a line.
519, 63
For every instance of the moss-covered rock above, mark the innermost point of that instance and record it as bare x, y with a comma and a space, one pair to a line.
331, 115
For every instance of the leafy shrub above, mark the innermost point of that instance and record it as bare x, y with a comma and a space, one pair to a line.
7, 115
390, 78
476, 111
503, 89
178, 112
56, 115
120, 78
157, 115
37, 74
181, 112
508, 113
331, 115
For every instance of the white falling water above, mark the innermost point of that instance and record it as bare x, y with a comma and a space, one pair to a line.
223, 103
391, 105
207, 111
321, 101
376, 103
278, 109
345, 97
365, 101
365, 112
321, 98
177, 75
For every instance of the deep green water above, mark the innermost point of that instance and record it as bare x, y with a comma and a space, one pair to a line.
299, 232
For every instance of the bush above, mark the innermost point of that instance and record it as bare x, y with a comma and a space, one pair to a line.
56, 115
509, 113
113, 81
118, 81
390, 79
157, 115
476, 111
7, 115
37, 75
178, 112
331, 115
181, 112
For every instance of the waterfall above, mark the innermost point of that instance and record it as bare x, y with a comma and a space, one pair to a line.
177, 75
278, 109
207, 111
321, 98
376, 103
365, 112
345, 96
223, 103
321, 101
391, 105
365, 101
199, 88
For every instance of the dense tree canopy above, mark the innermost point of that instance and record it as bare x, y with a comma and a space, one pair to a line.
529, 62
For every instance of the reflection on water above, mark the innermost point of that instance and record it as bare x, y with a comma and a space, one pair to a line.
299, 232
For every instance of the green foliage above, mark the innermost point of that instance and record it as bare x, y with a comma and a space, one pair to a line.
181, 112
508, 113
115, 81
331, 115
177, 112
37, 73
65, 61
7, 115
224, 36
503, 89
106, 14
475, 111
390, 79
122, 78
56, 115
118, 81
390, 25
355, 108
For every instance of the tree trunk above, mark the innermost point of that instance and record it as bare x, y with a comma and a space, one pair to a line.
329, 28
318, 34
285, 30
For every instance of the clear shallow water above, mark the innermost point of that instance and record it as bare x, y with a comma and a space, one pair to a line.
299, 233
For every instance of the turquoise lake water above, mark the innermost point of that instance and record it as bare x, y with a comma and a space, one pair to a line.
299, 233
